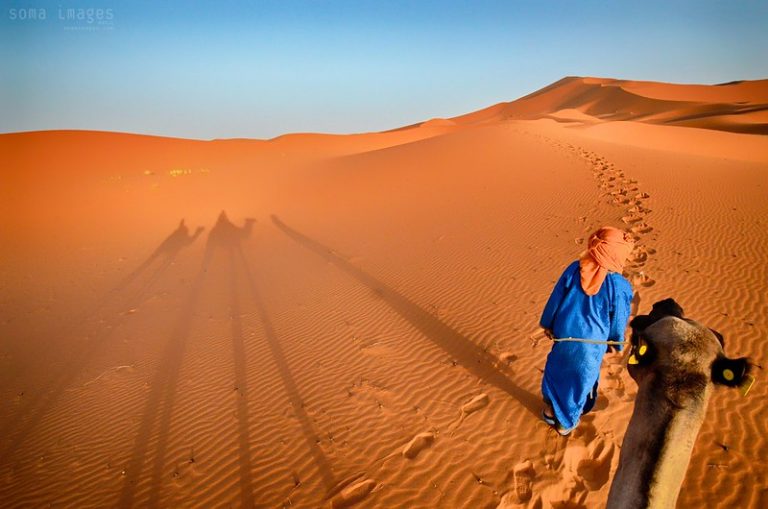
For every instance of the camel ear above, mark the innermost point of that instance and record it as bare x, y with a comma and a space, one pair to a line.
730, 372
719, 337
666, 307
640, 322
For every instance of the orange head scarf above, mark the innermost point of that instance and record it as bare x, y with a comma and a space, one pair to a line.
607, 251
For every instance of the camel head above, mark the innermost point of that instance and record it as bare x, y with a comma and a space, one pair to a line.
680, 356
676, 362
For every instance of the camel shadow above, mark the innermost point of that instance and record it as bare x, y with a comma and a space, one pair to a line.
464, 351
22, 427
227, 237
167, 251
158, 408
241, 385
289, 383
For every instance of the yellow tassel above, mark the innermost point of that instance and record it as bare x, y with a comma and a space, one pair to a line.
747, 385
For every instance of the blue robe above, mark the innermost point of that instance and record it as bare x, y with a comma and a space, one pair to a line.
573, 369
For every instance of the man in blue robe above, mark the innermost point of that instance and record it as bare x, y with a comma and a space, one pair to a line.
591, 300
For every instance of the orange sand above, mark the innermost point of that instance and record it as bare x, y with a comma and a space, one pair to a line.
356, 330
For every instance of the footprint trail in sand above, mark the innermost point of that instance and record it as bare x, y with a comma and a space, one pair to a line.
564, 475
470, 407
569, 469
625, 193
353, 493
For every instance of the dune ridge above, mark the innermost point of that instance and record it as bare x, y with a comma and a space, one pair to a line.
740, 107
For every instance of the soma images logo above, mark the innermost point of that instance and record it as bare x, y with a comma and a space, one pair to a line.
28, 13
70, 17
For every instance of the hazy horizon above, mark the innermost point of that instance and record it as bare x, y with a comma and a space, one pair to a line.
259, 70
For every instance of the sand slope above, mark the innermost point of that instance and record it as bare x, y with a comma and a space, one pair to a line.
349, 321
740, 107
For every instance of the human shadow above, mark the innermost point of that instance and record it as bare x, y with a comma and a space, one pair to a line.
158, 408
464, 351
27, 420
289, 383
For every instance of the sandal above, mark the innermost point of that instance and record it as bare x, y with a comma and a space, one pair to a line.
549, 419
566, 431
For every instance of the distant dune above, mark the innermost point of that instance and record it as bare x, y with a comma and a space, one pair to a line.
320, 320
740, 107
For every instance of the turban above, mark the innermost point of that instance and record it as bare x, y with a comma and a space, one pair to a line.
607, 251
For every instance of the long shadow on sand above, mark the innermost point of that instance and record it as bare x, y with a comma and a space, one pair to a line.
163, 385
289, 383
159, 406
241, 384
158, 409
122, 296
466, 353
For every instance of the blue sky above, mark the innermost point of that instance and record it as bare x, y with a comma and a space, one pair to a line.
206, 69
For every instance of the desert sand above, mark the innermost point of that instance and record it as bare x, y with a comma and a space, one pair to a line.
351, 320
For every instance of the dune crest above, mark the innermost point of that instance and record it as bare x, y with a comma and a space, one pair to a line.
740, 107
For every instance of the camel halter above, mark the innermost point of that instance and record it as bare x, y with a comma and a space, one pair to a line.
538, 336
749, 380
590, 341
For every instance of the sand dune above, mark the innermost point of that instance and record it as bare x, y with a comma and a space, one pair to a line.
740, 107
350, 320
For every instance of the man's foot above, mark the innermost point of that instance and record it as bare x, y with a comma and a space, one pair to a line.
566, 431
591, 400
548, 418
